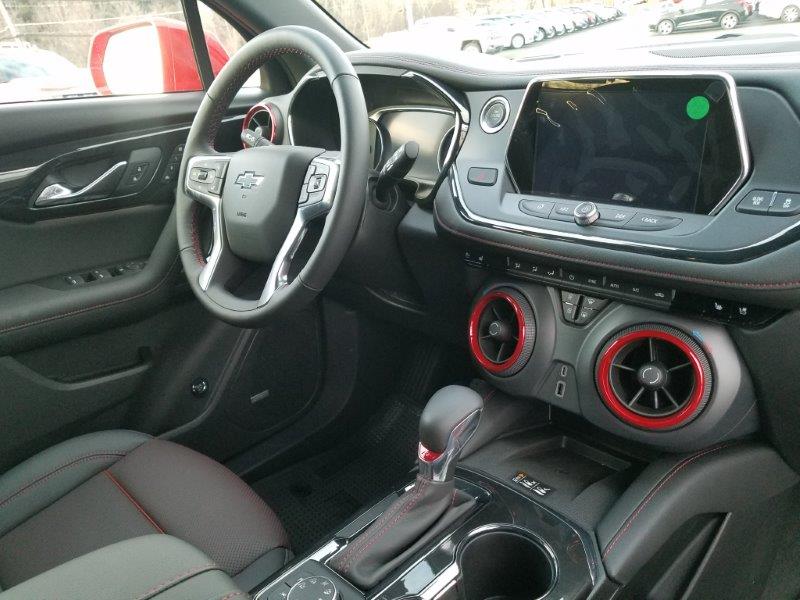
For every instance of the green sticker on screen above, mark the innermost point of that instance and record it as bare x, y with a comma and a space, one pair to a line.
697, 108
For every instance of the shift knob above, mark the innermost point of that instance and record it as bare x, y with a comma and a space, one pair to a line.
448, 422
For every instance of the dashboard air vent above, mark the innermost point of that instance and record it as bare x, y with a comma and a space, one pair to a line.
654, 377
502, 331
266, 117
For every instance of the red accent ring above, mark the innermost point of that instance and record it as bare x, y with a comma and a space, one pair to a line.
474, 322
623, 412
261, 106
427, 455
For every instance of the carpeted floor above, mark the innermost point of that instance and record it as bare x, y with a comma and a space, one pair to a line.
316, 495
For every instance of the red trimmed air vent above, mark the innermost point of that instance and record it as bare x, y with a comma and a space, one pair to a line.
502, 331
267, 117
654, 377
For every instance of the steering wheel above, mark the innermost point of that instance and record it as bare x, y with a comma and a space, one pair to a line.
263, 199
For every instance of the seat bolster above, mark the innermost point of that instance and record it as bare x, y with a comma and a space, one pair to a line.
160, 567
44, 478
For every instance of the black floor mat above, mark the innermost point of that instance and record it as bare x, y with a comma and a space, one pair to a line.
316, 495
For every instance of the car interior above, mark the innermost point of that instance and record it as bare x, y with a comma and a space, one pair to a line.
391, 325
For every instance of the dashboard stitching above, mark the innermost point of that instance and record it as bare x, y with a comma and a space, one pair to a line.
673, 472
599, 263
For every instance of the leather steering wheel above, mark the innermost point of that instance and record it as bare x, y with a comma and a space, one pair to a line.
260, 203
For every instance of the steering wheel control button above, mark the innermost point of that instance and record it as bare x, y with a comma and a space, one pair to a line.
757, 202
586, 213
313, 588
206, 176
785, 204
494, 114
649, 222
200, 174
316, 183
482, 176
216, 186
536, 208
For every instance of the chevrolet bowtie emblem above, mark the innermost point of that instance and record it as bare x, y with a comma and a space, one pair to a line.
248, 180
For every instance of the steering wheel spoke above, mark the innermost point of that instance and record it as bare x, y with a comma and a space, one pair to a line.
221, 262
315, 201
203, 182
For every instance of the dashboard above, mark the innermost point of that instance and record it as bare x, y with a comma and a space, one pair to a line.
584, 206
401, 109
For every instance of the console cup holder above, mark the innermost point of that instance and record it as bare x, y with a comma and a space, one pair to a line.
505, 564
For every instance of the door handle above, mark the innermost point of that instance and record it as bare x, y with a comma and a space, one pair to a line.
57, 194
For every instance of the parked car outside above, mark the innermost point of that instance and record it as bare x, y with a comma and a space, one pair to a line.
29, 73
449, 34
787, 11
554, 19
579, 18
591, 18
531, 22
691, 14
516, 33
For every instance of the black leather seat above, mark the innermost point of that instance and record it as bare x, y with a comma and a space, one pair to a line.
103, 488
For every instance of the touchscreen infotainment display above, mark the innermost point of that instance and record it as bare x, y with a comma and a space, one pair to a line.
659, 142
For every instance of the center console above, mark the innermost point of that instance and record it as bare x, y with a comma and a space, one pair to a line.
555, 511
508, 547
465, 529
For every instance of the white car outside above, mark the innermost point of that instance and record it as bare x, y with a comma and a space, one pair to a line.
787, 11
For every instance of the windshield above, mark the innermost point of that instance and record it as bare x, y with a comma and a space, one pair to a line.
529, 29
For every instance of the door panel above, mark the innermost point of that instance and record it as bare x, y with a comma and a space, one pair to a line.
64, 267
92, 296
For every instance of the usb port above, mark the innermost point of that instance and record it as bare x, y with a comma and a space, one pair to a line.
561, 388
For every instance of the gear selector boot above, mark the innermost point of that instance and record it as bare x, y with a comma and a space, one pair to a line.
448, 422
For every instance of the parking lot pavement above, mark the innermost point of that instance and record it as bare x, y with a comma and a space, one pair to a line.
632, 31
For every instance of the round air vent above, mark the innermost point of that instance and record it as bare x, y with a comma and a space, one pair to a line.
502, 331
266, 117
654, 377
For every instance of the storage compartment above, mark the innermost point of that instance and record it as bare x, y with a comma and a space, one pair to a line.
574, 478
505, 564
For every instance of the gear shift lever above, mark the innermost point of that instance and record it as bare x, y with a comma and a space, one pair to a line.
448, 422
